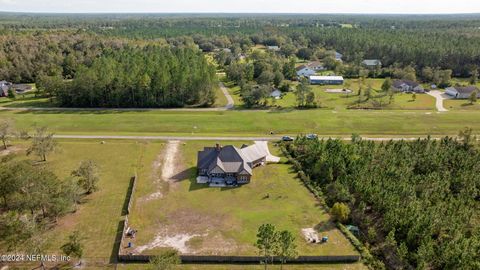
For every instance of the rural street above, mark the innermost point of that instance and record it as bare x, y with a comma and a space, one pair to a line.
219, 138
439, 97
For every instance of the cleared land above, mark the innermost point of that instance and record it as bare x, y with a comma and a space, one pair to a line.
172, 210
245, 123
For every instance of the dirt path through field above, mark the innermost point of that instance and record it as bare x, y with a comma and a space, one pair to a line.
169, 162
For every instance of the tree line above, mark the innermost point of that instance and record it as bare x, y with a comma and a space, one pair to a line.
416, 203
151, 76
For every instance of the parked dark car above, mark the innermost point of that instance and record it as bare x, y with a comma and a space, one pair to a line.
312, 136
287, 139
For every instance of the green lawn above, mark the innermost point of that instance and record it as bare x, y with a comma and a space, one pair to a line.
224, 221
242, 123
99, 216
25, 100
460, 104
336, 101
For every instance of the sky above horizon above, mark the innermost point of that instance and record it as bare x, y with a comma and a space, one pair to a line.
244, 6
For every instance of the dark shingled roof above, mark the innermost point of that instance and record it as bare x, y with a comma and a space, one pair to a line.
229, 158
399, 83
466, 89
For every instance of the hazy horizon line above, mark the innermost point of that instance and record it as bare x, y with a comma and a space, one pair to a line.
236, 13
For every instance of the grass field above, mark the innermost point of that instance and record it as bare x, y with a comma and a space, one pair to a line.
224, 221
242, 123
98, 217
460, 104
342, 101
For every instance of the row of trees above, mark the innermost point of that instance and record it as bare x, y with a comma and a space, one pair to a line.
32, 196
271, 243
151, 76
416, 203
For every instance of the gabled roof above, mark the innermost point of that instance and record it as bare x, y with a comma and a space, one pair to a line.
465, 89
253, 152
372, 62
400, 83
228, 158
300, 67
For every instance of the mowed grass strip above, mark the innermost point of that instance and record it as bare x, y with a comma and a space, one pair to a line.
254, 123
338, 266
225, 220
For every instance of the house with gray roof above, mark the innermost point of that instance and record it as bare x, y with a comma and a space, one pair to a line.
4, 86
462, 92
407, 86
229, 165
372, 63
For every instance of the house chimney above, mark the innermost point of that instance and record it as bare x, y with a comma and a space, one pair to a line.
218, 147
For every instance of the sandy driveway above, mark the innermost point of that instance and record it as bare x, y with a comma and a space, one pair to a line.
439, 97
230, 102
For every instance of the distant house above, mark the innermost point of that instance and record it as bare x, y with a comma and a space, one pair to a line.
407, 86
229, 165
338, 56
273, 48
277, 94
305, 71
326, 80
372, 63
462, 91
4, 86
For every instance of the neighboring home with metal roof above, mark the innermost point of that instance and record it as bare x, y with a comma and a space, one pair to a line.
305, 71
325, 80
372, 63
462, 91
229, 165
407, 86
277, 94
273, 48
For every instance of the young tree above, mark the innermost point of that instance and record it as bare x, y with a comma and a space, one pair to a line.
88, 176
302, 91
310, 100
474, 76
165, 261
266, 242
473, 97
74, 246
11, 93
414, 97
287, 248
6, 131
387, 85
466, 136
43, 143
340, 211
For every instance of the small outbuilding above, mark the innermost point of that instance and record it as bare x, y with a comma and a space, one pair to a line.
326, 80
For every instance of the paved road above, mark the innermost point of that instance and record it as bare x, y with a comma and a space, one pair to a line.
218, 138
439, 97
230, 102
